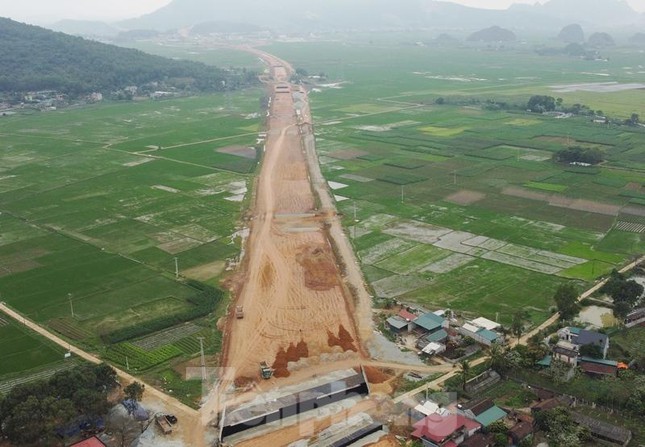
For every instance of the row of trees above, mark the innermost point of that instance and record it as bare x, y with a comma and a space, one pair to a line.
577, 154
625, 292
560, 428
31, 413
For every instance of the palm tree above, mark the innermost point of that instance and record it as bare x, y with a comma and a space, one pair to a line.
498, 360
464, 367
517, 326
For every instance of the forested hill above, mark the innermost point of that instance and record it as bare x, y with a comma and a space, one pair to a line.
33, 59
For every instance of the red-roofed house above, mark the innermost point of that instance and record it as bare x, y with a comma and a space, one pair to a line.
89, 442
407, 315
444, 431
598, 369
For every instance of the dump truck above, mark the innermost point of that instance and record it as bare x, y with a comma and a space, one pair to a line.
266, 371
239, 312
164, 425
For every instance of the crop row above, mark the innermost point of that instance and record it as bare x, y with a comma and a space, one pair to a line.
7, 385
68, 329
167, 336
134, 357
204, 301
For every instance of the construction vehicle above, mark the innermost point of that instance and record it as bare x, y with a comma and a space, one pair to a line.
239, 312
163, 423
265, 371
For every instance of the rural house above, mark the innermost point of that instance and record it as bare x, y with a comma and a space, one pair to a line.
430, 322
402, 322
479, 440
481, 330
566, 352
89, 442
520, 431
444, 431
635, 318
598, 367
582, 337
483, 411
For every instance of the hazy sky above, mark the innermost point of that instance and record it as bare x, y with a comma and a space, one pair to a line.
42, 11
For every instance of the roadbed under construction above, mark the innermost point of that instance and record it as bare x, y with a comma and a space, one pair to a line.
286, 406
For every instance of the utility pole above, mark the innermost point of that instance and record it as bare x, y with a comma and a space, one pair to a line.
203, 360
127, 363
401, 193
354, 210
176, 268
454, 177
71, 305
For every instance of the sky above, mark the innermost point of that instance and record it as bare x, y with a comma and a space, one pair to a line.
47, 11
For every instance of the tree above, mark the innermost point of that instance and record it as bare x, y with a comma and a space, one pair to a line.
302, 72
30, 413
106, 377
633, 120
498, 358
134, 391
541, 103
621, 309
517, 326
625, 293
464, 368
591, 350
577, 154
34, 421
566, 298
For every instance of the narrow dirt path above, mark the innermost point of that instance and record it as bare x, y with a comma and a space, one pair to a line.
192, 433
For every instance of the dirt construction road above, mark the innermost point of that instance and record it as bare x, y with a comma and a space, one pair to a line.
296, 306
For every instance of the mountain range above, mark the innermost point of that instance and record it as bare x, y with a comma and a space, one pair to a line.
322, 15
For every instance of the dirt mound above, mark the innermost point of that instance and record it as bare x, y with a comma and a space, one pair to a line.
297, 351
243, 382
292, 354
280, 364
375, 375
302, 349
344, 339
319, 265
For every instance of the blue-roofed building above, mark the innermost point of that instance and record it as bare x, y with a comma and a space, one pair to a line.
483, 411
489, 336
397, 324
402, 322
491, 415
480, 334
430, 322
440, 336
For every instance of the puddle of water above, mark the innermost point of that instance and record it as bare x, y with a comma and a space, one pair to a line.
598, 316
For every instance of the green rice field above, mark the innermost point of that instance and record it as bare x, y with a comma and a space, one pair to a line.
99, 203
458, 203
